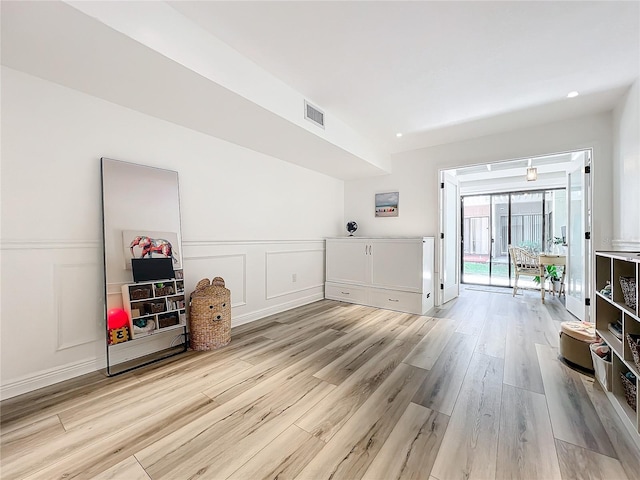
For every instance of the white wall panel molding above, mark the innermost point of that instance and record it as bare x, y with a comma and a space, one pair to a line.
78, 304
626, 245
292, 271
33, 243
215, 243
291, 292
49, 376
115, 288
238, 320
286, 252
47, 244
234, 273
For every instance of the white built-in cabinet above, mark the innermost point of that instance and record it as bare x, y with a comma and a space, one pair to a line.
391, 273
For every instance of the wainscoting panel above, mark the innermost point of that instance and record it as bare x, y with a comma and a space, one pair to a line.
52, 313
290, 272
52, 299
231, 267
626, 245
259, 273
78, 297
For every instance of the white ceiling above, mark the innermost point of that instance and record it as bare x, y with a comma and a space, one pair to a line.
436, 71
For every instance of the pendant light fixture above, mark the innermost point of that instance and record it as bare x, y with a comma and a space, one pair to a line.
532, 173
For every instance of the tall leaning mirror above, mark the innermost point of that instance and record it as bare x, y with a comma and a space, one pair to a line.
144, 287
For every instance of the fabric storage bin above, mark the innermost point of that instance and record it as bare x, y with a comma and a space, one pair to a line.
628, 286
630, 391
139, 293
154, 307
164, 291
602, 369
634, 345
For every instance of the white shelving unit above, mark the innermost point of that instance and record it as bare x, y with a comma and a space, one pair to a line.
154, 307
610, 266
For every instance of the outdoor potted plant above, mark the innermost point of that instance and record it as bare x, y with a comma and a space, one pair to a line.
553, 277
550, 274
558, 246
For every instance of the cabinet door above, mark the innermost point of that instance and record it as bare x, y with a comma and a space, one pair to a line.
397, 264
348, 261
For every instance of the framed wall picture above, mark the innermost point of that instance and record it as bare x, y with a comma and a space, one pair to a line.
387, 204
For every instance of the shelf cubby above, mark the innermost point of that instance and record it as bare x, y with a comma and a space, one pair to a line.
158, 306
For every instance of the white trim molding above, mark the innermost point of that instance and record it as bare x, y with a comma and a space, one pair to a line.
272, 310
290, 292
243, 256
269, 253
50, 376
626, 245
212, 243
48, 244
60, 282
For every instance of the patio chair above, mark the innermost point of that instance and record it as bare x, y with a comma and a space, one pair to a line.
524, 263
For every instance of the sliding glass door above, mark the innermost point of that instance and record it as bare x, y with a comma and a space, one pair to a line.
500, 240
490, 223
527, 226
476, 239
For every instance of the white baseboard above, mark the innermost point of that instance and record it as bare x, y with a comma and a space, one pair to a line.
281, 307
58, 374
49, 377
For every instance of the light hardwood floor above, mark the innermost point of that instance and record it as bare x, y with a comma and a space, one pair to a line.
338, 391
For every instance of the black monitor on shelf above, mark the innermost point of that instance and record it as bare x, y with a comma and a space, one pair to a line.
150, 269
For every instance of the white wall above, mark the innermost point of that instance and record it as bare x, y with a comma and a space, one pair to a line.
626, 171
415, 175
250, 218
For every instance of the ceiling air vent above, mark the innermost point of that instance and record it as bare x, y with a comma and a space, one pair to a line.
313, 114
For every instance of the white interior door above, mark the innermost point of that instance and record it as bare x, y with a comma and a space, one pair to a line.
449, 245
578, 246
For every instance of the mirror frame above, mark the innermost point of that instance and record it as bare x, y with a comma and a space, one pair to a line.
114, 254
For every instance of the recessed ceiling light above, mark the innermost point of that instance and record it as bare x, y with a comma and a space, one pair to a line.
398, 134
572, 94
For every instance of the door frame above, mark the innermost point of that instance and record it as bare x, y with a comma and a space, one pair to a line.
440, 284
442, 213
587, 213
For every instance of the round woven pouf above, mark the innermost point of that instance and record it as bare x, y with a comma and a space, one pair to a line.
575, 338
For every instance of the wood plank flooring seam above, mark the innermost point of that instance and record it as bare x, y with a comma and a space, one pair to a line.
585, 448
470, 443
525, 437
77, 451
239, 421
577, 463
625, 447
573, 416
